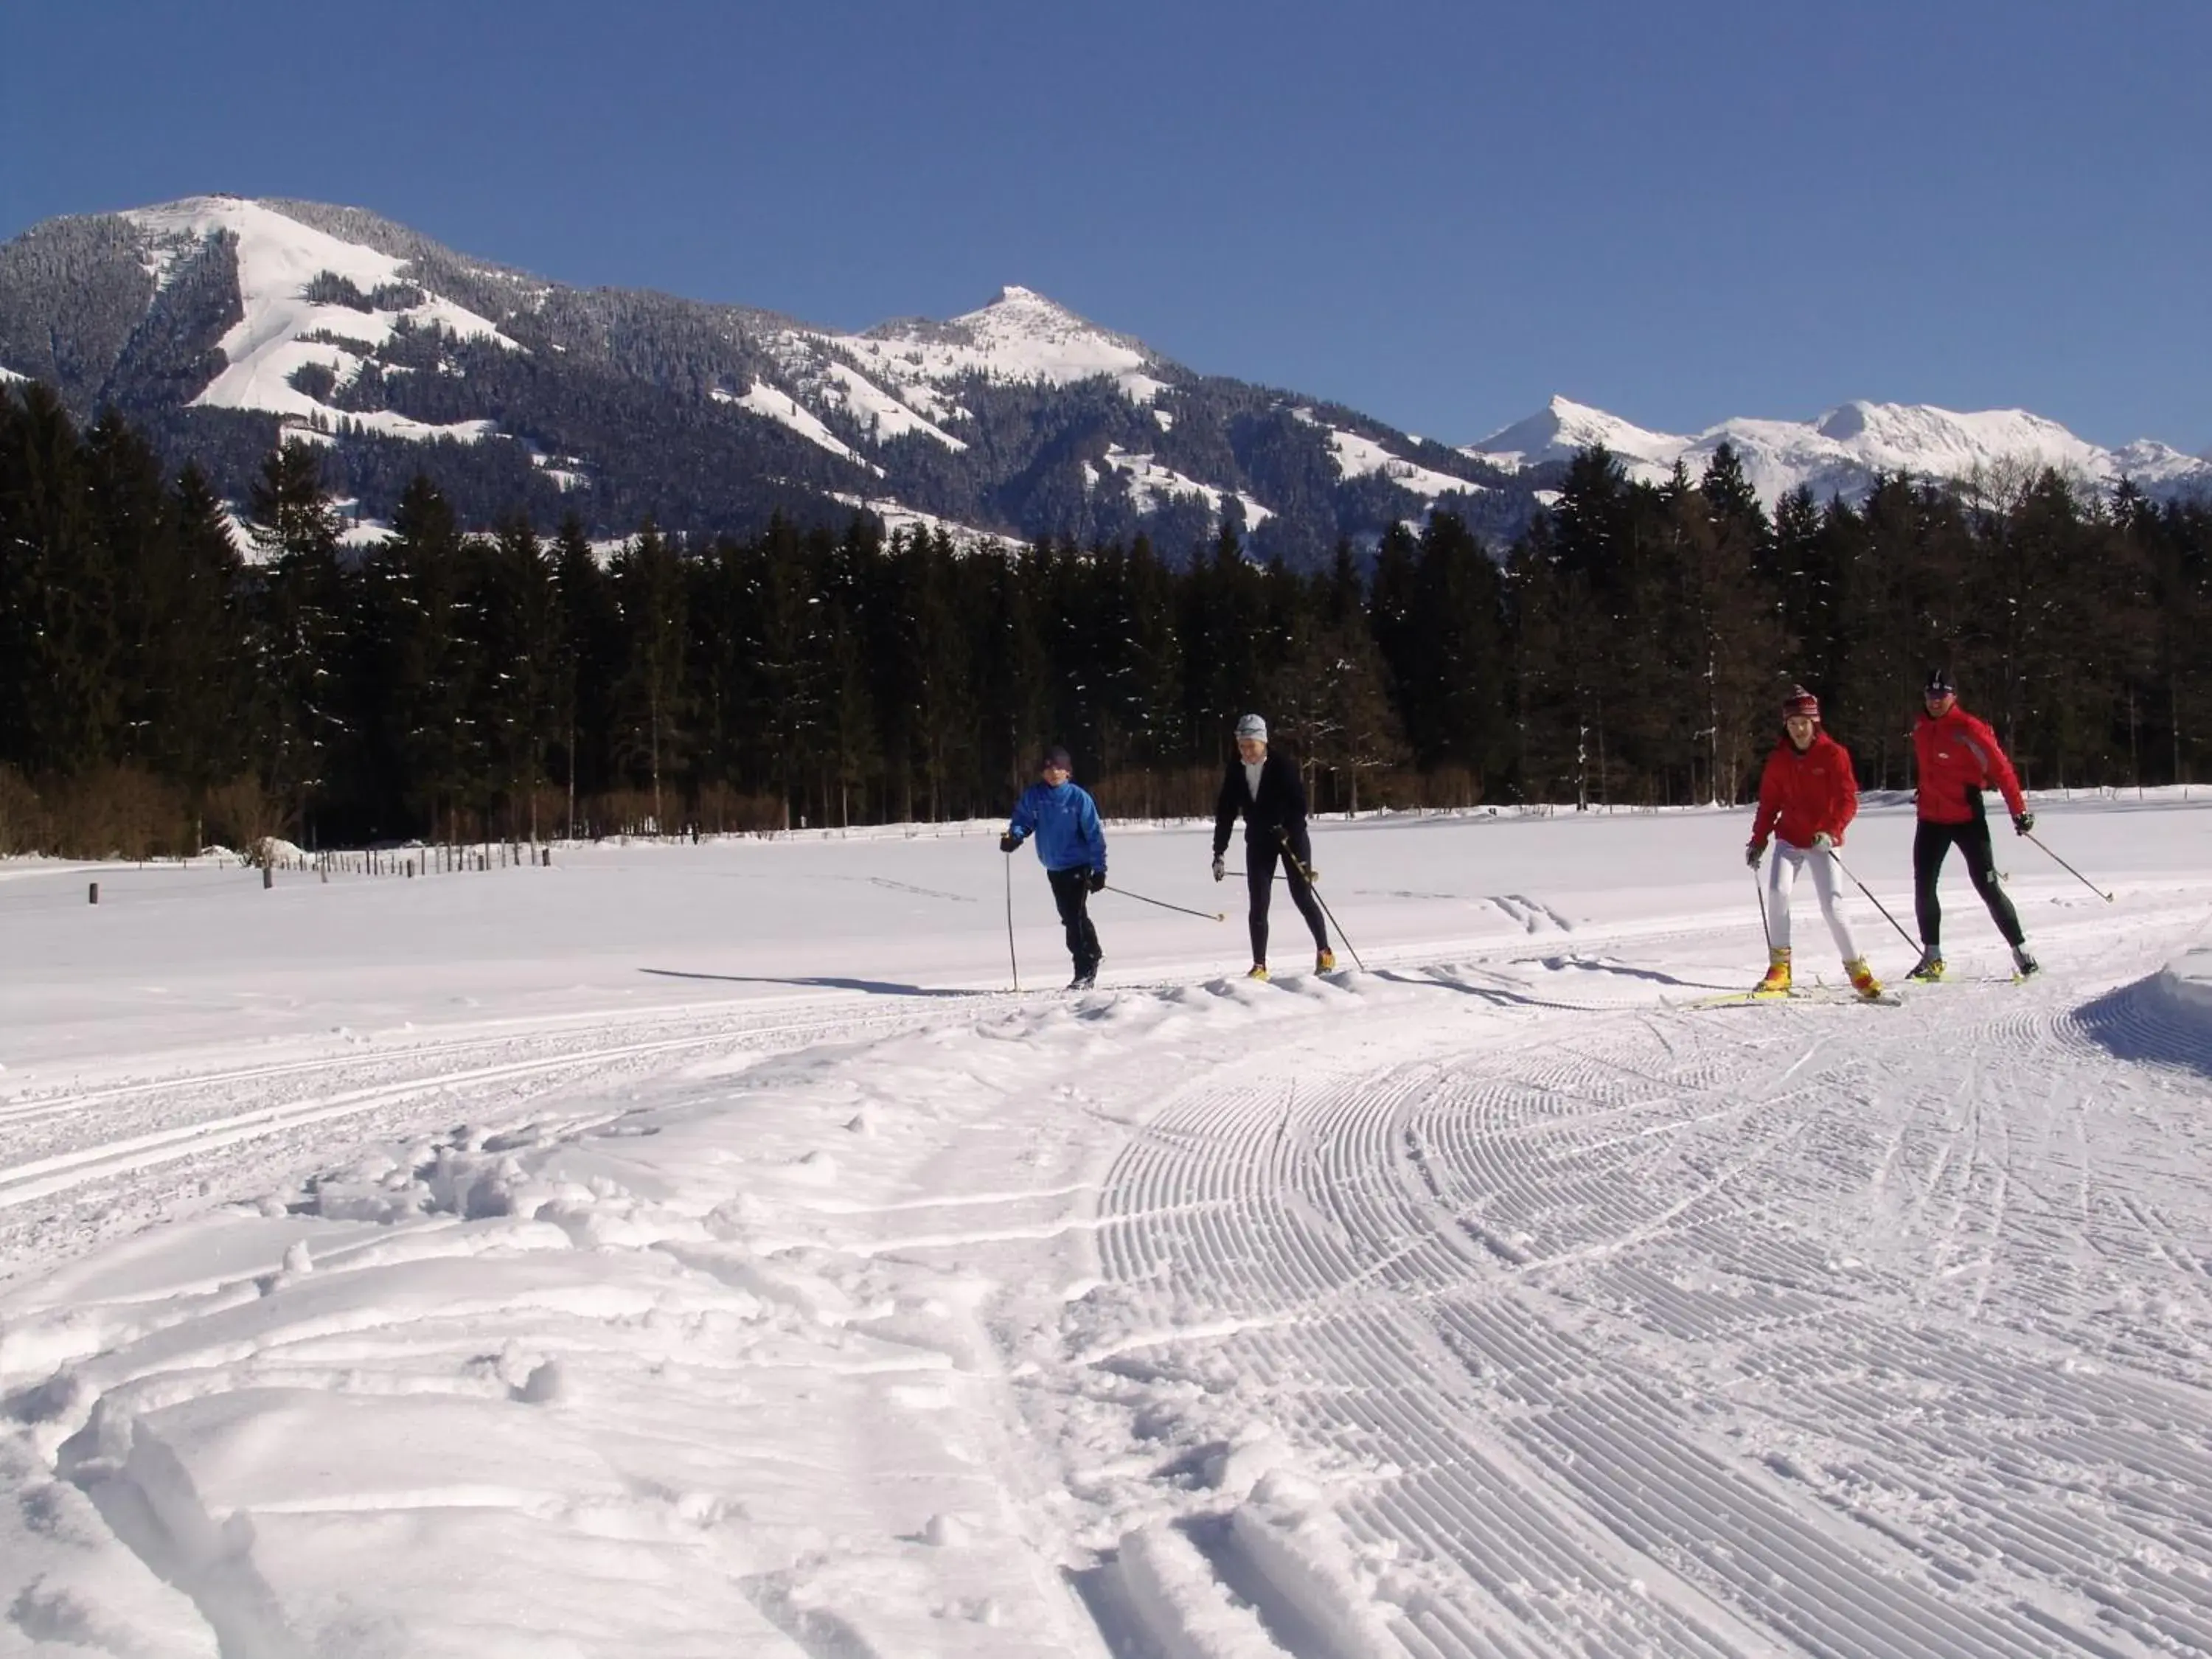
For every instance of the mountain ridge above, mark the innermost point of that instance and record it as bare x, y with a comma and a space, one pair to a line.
1842, 450
225, 324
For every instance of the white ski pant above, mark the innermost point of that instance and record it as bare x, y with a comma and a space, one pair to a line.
1782, 876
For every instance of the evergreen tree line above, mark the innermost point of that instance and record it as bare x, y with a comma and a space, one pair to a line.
162, 685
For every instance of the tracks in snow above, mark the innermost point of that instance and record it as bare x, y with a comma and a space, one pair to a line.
1869, 1337
80, 1166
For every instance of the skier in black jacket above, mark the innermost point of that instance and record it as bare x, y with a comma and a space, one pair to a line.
1266, 791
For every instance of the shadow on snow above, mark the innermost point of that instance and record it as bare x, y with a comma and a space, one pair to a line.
2140, 1022
878, 988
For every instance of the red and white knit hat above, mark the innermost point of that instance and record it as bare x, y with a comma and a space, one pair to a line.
1801, 701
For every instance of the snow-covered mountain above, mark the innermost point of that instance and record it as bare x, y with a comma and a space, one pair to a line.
222, 325
225, 324
1840, 452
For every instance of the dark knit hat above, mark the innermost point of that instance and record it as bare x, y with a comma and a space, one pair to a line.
1939, 684
1801, 701
1056, 756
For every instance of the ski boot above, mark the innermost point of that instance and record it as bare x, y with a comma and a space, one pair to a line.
2024, 964
1324, 961
1863, 979
1928, 968
1086, 975
1259, 971
1777, 982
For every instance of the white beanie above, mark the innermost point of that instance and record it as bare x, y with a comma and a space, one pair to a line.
1252, 726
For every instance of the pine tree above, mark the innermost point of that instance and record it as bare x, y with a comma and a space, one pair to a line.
200, 685
300, 609
851, 754
1363, 728
516, 649
588, 659
649, 590
1015, 677
1730, 624
130, 523
62, 704
1459, 625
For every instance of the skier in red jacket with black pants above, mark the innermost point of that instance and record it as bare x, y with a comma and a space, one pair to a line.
1808, 797
1958, 757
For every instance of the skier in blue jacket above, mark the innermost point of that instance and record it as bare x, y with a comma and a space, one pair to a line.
1071, 847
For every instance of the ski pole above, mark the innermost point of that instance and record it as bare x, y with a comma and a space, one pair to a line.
2072, 871
1872, 900
1314, 887
1206, 915
1758, 887
1011, 963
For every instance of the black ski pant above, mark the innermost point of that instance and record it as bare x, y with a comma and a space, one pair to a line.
1930, 842
1071, 891
1261, 855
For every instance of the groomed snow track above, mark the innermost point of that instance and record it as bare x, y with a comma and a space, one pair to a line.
78, 1165
1786, 1329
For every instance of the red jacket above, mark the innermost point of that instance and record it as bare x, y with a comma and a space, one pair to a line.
1802, 793
1958, 753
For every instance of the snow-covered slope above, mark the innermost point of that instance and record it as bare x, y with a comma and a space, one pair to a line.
1842, 450
1019, 336
1358, 456
895, 379
1562, 428
345, 329
281, 263
781, 407
1150, 484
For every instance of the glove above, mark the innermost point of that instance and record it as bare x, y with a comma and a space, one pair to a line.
2022, 823
1313, 877
1825, 841
1008, 842
1097, 880
1753, 853
1219, 868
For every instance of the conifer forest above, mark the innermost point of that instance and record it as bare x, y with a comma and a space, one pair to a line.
166, 682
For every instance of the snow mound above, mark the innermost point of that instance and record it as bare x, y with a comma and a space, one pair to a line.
2186, 982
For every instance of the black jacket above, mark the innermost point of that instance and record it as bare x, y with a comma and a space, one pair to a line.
1281, 804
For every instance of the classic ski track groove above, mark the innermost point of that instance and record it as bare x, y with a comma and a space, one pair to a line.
1552, 1184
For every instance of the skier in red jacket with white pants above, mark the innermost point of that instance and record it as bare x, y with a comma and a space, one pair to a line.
1808, 797
1958, 757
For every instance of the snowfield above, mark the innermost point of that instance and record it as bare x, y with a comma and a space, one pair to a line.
702, 1250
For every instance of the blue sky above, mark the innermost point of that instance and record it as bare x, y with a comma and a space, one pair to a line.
1440, 213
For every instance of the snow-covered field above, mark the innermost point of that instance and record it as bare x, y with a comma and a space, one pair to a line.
699, 1250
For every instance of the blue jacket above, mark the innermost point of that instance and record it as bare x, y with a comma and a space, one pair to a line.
1065, 821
